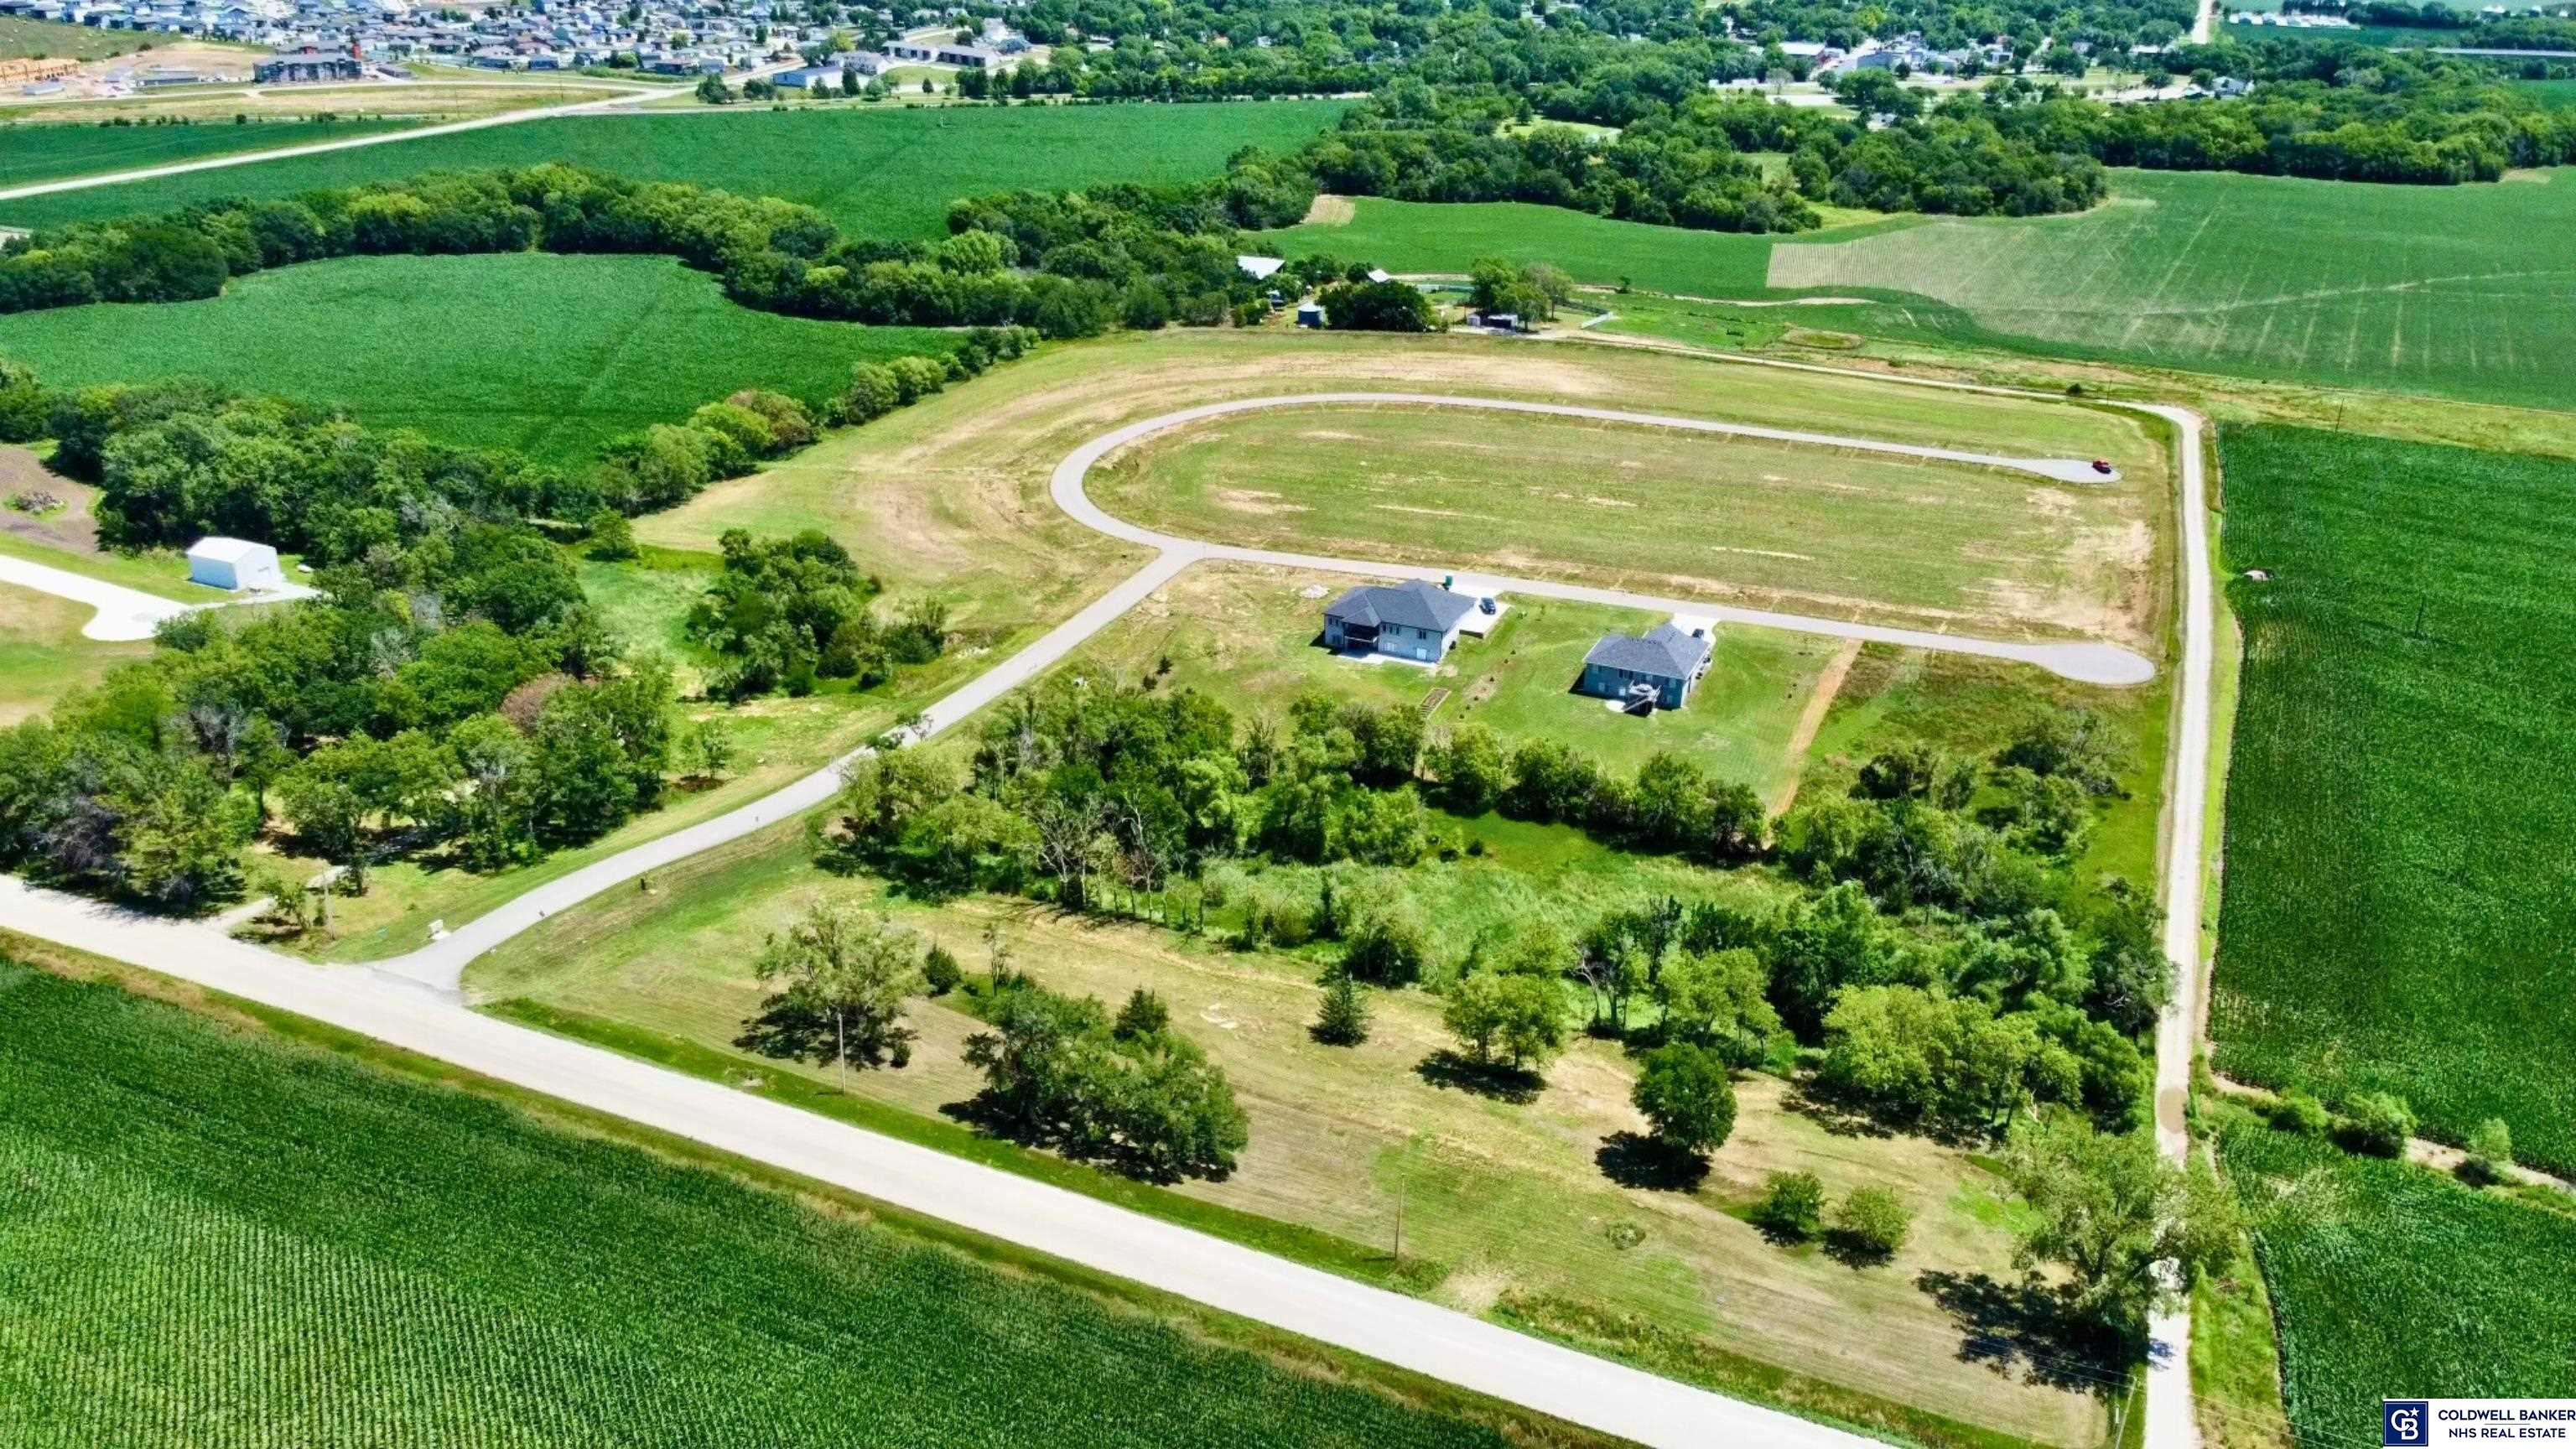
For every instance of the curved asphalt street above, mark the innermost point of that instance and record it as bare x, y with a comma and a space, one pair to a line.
391, 1004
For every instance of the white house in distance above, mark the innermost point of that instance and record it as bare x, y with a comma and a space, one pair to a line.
234, 563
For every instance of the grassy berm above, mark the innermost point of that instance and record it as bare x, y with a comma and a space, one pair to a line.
219, 1236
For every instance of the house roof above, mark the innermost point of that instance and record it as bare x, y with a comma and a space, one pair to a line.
1260, 268
228, 550
1413, 604
1664, 651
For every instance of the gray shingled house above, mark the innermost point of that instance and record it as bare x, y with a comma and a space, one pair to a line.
1411, 620
1657, 669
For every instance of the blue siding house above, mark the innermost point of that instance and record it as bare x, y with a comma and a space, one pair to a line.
1655, 671
1413, 620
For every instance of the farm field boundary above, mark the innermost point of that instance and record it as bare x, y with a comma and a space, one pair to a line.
546, 1275
886, 173
2400, 905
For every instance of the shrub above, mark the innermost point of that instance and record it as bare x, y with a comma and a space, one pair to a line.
1144, 1015
611, 536
939, 969
2490, 1152
1792, 1206
1872, 1222
1344, 1018
2302, 1113
2378, 1123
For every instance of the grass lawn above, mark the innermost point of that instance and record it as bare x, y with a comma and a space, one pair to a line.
2394, 1280
1773, 525
2555, 94
2437, 290
155, 571
882, 172
2399, 826
42, 654
1503, 1204
1424, 236
1248, 636
24, 39
219, 1229
31, 153
550, 355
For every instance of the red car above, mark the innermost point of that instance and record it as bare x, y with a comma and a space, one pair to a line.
2102, 466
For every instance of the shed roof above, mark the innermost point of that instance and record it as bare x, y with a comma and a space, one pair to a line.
1413, 604
1663, 651
228, 550
1260, 269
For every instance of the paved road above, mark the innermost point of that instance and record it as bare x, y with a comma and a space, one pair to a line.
2091, 663
123, 613
1406, 1332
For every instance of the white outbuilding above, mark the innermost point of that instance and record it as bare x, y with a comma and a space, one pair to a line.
234, 563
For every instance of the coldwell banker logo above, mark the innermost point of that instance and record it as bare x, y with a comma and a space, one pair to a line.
2405, 1421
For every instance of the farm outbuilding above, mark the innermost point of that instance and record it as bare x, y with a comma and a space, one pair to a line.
234, 563
1309, 315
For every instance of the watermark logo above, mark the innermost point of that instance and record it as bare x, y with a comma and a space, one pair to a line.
2404, 1422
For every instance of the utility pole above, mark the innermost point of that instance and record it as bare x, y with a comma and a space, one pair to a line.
1400, 1188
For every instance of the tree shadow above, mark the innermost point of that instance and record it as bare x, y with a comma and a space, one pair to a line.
1853, 1251
1842, 1119
1498, 1080
2030, 1328
786, 1031
1632, 1159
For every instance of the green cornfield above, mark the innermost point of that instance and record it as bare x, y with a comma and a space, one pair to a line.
215, 1236
545, 354
2393, 1280
2401, 802
876, 171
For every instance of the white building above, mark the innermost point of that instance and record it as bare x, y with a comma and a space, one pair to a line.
233, 563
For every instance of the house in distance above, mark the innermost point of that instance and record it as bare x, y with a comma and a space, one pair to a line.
1416, 620
1655, 670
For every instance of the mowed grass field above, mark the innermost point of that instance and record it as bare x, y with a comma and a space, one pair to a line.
1793, 526
31, 153
549, 355
1250, 636
2401, 809
2391, 1280
2454, 291
885, 172
1502, 1204
42, 654
1422, 236
216, 1234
